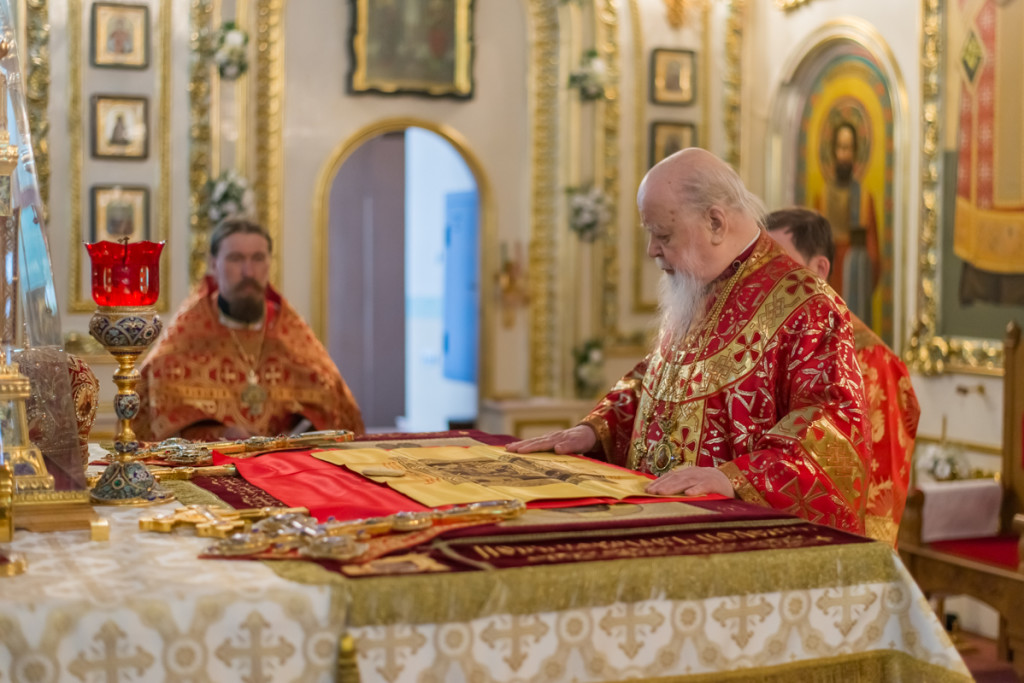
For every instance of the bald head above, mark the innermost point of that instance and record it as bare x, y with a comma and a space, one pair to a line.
698, 213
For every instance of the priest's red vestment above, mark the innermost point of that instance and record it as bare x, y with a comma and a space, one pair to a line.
893, 413
197, 372
769, 391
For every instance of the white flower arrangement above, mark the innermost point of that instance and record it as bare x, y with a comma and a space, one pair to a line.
227, 195
588, 212
592, 76
945, 462
588, 373
231, 55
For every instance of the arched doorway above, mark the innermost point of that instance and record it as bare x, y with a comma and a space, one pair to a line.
402, 222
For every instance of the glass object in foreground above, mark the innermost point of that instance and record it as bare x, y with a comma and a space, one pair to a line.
31, 329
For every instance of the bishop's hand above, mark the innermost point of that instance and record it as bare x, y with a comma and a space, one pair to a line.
578, 439
692, 481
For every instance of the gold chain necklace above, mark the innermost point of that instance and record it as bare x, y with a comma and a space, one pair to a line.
663, 457
253, 395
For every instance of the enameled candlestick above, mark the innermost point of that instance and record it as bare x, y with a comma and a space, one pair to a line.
126, 284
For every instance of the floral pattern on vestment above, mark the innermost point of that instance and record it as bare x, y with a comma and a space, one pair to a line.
195, 373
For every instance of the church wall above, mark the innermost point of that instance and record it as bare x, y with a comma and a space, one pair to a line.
319, 117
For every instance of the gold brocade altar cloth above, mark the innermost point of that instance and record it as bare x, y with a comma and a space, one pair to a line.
146, 609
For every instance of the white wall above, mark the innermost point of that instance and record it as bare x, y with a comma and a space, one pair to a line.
319, 116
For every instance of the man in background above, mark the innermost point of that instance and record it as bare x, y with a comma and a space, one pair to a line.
237, 360
893, 410
753, 390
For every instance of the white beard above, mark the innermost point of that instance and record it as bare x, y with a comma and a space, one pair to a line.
681, 300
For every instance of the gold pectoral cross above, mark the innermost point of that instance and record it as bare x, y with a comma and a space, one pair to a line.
253, 395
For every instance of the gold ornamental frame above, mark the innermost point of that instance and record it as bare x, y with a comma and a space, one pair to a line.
929, 351
405, 75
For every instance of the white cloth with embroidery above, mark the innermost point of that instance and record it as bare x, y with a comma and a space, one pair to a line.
142, 607
960, 509
667, 639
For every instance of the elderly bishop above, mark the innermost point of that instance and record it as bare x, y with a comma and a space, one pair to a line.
753, 389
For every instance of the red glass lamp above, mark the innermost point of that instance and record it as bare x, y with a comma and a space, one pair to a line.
125, 274
126, 284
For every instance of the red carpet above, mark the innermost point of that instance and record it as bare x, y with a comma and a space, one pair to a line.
997, 550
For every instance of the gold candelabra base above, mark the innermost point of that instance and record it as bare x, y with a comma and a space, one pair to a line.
125, 332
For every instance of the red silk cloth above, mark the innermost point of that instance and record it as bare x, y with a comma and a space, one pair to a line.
297, 479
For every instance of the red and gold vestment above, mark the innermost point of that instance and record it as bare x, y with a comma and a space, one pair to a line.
197, 372
893, 413
768, 391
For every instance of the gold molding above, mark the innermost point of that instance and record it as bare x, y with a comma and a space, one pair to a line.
734, 80
76, 115
790, 5
966, 445
36, 63
269, 180
80, 302
163, 217
640, 151
606, 155
704, 80
544, 193
200, 152
928, 352
488, 229
242, 94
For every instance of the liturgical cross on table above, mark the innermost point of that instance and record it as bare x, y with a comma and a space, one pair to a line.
210, 521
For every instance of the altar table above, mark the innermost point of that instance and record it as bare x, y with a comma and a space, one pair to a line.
142, 607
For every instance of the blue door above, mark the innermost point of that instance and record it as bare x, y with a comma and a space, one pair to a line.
461, 289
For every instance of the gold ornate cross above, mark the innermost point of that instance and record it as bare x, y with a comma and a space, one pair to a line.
210, 521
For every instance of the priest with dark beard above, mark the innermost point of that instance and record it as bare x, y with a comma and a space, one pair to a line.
237, 360
753, 389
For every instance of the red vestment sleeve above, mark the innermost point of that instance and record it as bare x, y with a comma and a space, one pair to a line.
812, 462
613, 417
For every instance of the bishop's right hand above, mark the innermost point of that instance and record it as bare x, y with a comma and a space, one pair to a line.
578, 439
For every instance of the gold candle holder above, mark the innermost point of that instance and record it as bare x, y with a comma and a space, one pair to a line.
126, 284
125, 332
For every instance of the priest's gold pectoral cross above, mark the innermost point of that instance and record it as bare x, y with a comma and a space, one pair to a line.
253, 395
210, 521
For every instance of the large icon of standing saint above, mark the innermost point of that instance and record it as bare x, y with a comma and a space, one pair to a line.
844, 170
850, 207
